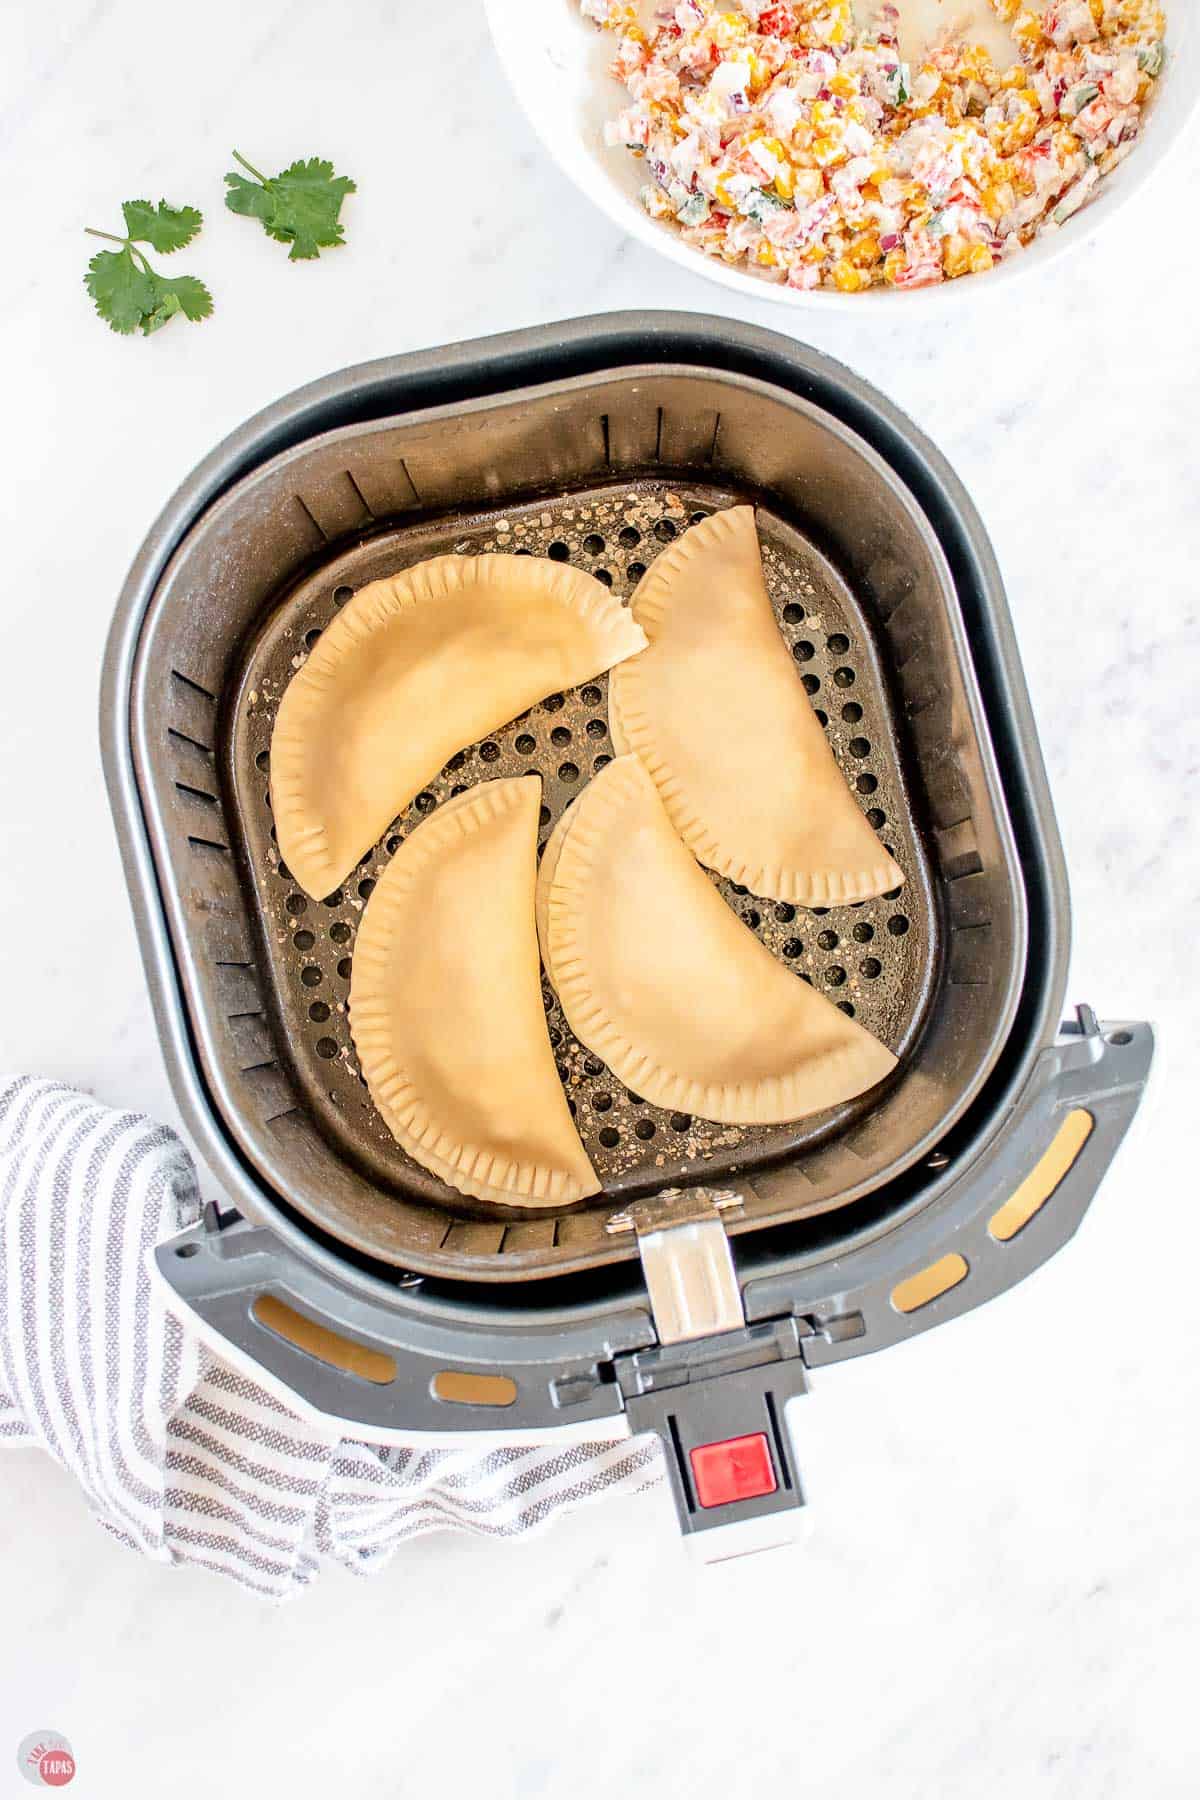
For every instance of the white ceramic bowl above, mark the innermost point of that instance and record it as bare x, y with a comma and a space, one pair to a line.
556, 62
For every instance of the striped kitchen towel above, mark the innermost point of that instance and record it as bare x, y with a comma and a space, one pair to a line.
180, 1456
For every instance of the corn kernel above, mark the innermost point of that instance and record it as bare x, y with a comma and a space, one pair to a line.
956, 255
773, 147
842, 86
981, 259
766, 256
1022, 131
864, 250
894, 264
846, 277
785, 182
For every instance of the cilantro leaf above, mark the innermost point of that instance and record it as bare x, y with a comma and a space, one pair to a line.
166, 305
129, 294
194, 300
164, 228
300, 206
252, 199
123, 293
183, 295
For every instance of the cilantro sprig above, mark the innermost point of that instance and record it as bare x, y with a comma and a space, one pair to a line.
300, 206
128, 293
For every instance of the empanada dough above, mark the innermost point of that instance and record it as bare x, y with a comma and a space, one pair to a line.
657, 976
414, 668
718, 714
446, 1005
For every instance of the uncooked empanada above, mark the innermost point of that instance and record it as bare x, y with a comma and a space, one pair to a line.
446, 1005
658, 977
719, 716
413, 669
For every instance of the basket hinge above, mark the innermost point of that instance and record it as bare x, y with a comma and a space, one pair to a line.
715, 1389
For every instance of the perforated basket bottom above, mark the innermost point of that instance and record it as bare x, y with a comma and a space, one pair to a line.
874, 960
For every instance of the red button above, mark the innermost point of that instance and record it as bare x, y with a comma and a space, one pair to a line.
736, 1469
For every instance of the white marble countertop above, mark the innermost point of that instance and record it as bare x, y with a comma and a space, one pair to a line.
1001, 1593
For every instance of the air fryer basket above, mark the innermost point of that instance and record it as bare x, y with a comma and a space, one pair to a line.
867, 603
852, 1231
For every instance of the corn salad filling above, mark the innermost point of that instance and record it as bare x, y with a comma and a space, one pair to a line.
781, 135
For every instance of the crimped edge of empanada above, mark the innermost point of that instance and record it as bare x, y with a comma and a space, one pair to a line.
473, 1169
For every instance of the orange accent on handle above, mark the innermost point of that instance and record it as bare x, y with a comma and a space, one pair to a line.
327, 1346
1044, 1178
462, 1388
927, 1284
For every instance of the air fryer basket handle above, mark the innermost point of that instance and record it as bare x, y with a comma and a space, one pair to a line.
370, 1365
1055, 1143
381, 1368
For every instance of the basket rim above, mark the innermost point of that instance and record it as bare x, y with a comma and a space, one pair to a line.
617, 342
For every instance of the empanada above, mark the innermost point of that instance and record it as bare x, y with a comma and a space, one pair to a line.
446, 1005
718, 714
414, 668
657, 976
